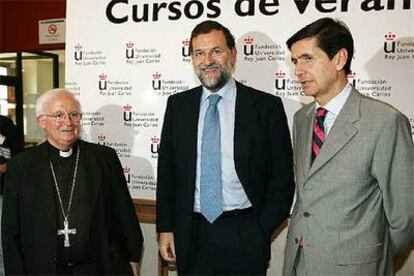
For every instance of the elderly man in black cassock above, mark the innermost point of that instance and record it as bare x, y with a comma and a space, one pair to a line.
67, 209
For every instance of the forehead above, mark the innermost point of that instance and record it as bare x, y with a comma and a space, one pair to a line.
305, 46
215, 38
61, 102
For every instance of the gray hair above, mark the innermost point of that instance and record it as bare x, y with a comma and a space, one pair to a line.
48, 96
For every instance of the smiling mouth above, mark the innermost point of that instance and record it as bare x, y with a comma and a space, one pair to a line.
210, 70
305, 83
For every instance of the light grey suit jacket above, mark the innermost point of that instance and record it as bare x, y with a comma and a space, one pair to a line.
354, 205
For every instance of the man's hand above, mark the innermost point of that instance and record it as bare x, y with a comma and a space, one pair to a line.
3, 168
134, 268
166, 246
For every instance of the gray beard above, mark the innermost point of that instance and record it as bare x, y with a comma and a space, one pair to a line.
215, 84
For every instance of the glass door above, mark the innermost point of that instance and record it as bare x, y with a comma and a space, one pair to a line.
23, 78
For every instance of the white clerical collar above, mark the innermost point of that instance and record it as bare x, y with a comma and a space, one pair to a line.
66, 153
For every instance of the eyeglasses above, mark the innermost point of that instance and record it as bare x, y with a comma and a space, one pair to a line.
60, 117
215, 53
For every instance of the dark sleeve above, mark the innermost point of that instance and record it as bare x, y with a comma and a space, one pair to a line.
166, 174
10, 226
9, 129
281, 186
127, 224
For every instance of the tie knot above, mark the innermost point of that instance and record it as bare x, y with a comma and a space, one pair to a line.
213, 99
321, 112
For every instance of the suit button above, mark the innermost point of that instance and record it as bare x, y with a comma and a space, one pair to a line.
69, 264
306, 214
296, 240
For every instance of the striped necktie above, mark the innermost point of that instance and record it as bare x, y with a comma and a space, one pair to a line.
318, 137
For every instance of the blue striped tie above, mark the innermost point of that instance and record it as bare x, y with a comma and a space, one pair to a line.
211, 197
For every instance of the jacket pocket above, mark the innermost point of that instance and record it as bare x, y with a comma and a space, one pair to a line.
363, 255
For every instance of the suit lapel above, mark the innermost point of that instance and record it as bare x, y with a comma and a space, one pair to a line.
305, 136
341, 133
242, 137
191, 110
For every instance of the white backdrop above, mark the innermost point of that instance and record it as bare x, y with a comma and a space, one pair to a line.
125, 57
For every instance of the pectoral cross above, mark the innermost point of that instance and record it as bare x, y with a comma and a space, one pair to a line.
66, 231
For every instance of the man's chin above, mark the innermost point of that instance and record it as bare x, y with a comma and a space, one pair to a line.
210, 85
308, 92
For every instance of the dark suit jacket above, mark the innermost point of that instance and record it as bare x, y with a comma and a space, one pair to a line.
12, 141
262, 156
30, 214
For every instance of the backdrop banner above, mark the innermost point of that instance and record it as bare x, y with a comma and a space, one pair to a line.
125, 57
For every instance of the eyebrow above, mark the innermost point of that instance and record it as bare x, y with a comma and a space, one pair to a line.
302, 56
305, 55
60, 111
201, 50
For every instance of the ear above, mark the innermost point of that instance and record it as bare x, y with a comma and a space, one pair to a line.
233, 55
341, 58
41, 122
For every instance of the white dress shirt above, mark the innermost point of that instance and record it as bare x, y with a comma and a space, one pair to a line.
234, 196
334, 106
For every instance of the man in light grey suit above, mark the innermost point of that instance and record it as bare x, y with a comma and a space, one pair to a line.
353, 163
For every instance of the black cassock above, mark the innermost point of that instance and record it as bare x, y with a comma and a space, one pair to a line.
108, 235
76, 253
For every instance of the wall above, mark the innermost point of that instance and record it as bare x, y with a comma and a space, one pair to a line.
19, 23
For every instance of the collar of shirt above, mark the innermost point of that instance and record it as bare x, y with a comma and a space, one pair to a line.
227, 92
334, 107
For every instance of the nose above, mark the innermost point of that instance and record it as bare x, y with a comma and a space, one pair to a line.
299, 70
68, 120
207, 59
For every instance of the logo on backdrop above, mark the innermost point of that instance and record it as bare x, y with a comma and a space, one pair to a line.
101, 140
138, 181
74, 87
127, 174
132, 118
156, 81
123, 149
127, 115
284, 86
135, 56
88, 57
166, 87
398, 49
185, 50
262, 52
109, 87
376, 88
93, 119
155, 145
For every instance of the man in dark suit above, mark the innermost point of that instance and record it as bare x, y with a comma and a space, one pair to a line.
9, 145
225, 179
67, 209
